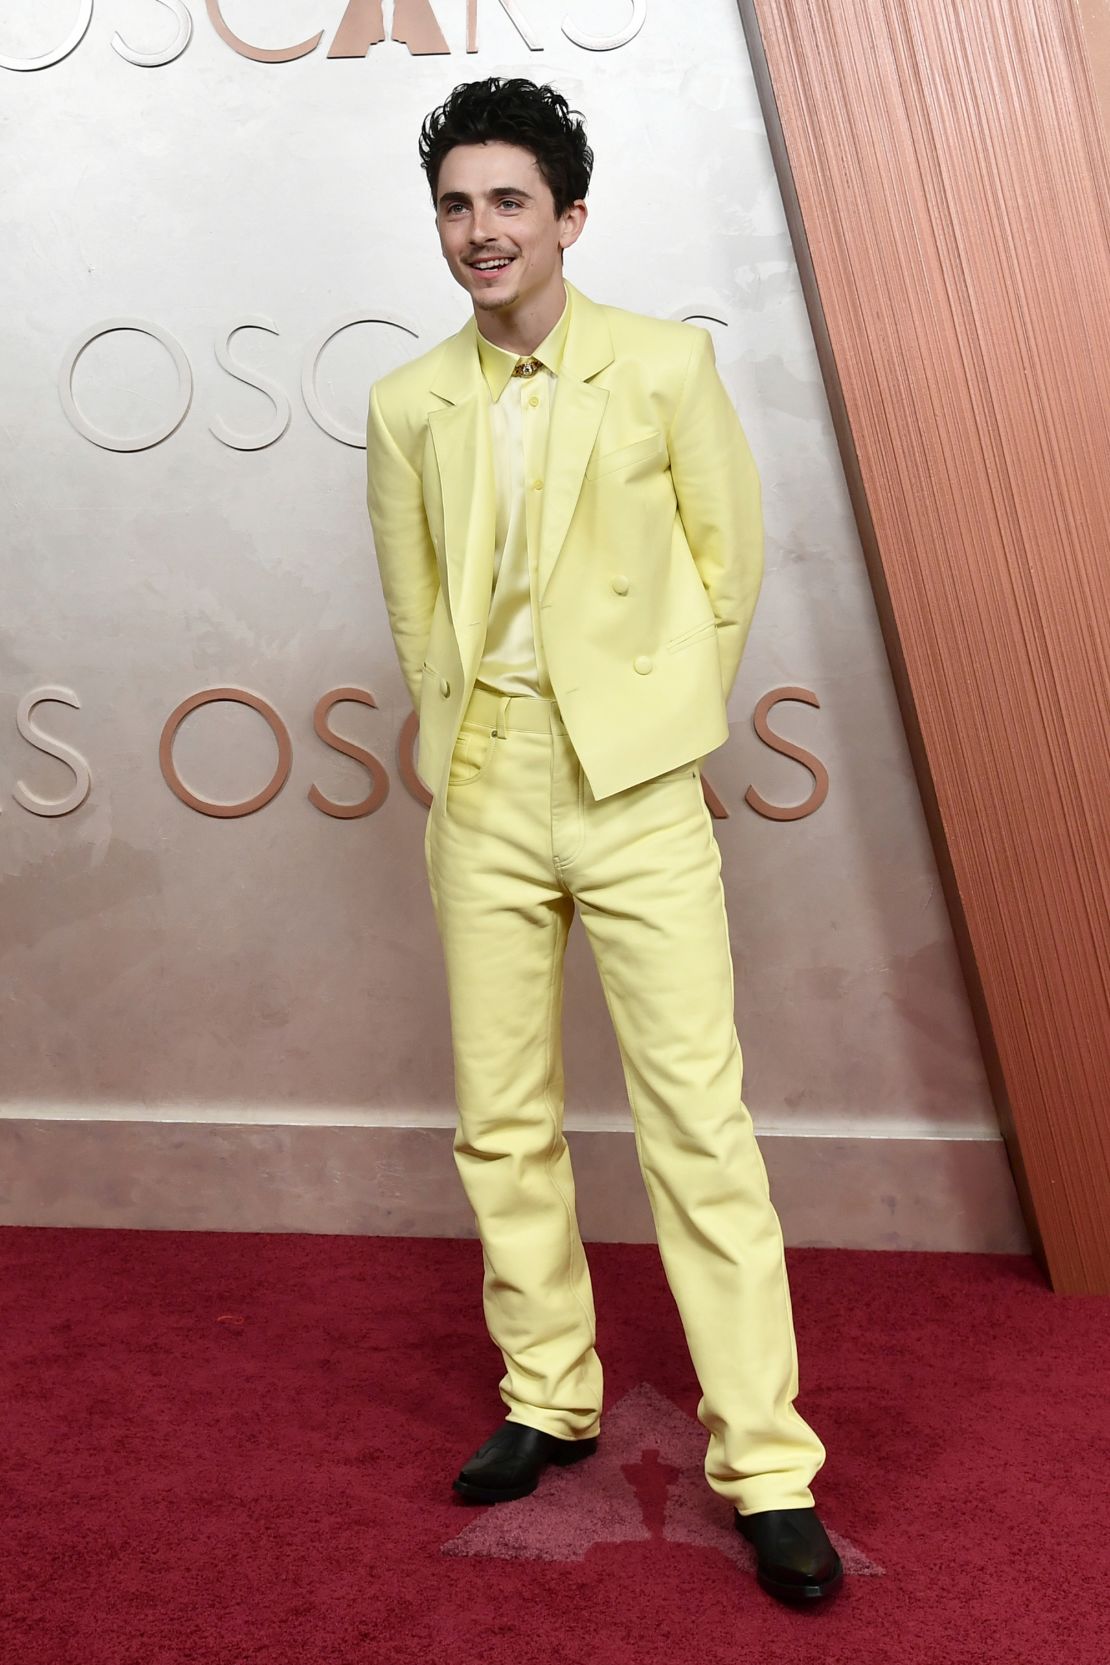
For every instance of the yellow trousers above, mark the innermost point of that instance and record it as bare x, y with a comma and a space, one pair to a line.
512, 845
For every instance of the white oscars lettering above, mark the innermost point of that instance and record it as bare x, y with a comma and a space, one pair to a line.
606, 43
283, 410
97, 435
312, 358
164, 54
522, 26
74, 38
34, 735
241, 442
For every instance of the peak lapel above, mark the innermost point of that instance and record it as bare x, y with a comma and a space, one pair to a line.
464, 459
575, 420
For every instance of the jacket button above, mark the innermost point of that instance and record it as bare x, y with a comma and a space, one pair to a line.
620, 583
642, 664
444, 686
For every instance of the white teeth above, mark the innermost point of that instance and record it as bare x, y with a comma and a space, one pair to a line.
490, 265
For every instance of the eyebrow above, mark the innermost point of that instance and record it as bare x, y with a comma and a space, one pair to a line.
497, 191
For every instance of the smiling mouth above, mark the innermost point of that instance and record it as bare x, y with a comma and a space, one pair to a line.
493, 267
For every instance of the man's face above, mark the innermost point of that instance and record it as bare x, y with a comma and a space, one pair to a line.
494, 205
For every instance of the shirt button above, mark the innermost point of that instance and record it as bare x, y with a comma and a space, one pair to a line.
537, 485
620, 583
534, 400
444, 686
642, 664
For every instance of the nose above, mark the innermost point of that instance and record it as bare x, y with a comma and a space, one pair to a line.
481, 229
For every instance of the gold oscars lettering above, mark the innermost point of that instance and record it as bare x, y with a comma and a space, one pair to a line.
50, 746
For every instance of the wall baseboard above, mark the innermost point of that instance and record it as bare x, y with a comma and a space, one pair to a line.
834, 1191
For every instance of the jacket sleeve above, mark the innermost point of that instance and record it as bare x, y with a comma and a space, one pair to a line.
719, 501
402, 543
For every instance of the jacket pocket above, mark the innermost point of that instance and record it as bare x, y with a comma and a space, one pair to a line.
679, 773
695, 635
471, 752
638, 451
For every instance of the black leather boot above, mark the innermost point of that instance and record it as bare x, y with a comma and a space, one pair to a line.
797, 1563
511, 1461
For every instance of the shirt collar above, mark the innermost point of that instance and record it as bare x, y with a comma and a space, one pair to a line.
498, 364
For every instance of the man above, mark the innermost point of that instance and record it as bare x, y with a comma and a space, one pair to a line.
567, 522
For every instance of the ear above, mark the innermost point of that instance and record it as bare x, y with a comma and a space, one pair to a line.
573, 221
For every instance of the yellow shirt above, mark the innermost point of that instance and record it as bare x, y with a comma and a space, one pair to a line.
520, 415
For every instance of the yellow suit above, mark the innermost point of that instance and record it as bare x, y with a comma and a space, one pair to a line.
646, 577
651, 555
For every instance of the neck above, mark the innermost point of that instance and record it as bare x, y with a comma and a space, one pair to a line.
519, 328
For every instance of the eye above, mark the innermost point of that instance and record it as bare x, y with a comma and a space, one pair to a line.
512, 202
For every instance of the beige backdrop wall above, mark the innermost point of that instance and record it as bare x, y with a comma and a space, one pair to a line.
240, 1020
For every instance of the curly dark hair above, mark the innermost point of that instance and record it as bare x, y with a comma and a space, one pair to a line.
516, 112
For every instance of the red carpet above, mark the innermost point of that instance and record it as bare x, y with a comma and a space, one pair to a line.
221, 1449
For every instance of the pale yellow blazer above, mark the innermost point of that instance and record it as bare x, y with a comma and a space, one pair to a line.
651, 543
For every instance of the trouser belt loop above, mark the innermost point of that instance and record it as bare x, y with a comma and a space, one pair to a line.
502, 707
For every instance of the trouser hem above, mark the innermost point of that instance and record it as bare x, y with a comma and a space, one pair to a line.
557, 1426
751, 1499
